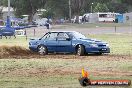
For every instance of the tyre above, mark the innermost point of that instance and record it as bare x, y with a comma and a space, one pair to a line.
80, 50
42, 50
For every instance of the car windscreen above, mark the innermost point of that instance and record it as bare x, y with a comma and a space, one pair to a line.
50, 36
77, 35
45, 36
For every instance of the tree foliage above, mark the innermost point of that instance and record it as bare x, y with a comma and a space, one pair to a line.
77, 6
60, 8
101, 8
3, 2
88, 4
117, 7
1, 7
129, 2
57, 8
28, 7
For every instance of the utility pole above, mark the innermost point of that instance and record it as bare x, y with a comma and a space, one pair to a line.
92, 8
70, 10
130, 26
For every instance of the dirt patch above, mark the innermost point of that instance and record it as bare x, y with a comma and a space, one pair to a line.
10, 51
39, 72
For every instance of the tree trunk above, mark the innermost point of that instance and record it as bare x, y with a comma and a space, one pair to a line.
77, 16
77, 19
30, 18
1, 12
31, 14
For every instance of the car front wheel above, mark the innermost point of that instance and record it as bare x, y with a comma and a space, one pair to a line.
42, 50
80, 50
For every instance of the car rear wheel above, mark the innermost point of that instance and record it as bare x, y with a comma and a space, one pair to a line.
42, 50
80, 50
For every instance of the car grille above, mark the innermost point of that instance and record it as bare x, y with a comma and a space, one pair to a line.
102, 45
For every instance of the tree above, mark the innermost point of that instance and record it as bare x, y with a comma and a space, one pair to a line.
117, 7
77, 6
1, 7
57, 8
28, 7
129, 2
88, 4
101, 8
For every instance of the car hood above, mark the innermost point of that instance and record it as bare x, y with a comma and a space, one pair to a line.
34, 39
93, 41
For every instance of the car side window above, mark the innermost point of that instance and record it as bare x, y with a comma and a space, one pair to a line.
52, 36
62, 36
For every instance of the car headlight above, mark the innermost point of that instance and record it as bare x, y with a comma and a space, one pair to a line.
107, 45
93, 45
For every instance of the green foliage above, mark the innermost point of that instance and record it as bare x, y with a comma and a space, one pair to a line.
0, 2
60, 8
57, 8
3, 2
101, 8
48, 13
77, 6
129, 2
117, 7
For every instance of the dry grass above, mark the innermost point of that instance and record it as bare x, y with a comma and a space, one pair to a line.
50, 72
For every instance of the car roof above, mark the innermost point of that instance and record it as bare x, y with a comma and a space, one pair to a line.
62, 31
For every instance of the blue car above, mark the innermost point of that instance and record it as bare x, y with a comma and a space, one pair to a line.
67, 42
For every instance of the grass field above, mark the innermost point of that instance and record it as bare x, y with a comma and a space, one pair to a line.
19, 41
94, 25
63, 71
119, 43
60, 73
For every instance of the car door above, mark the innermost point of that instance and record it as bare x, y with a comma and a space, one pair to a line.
51, 42
64, 43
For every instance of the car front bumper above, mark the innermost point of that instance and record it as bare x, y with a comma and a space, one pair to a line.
33, 47
97, 50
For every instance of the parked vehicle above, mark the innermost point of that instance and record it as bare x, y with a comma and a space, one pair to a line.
7, 30
67, 42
